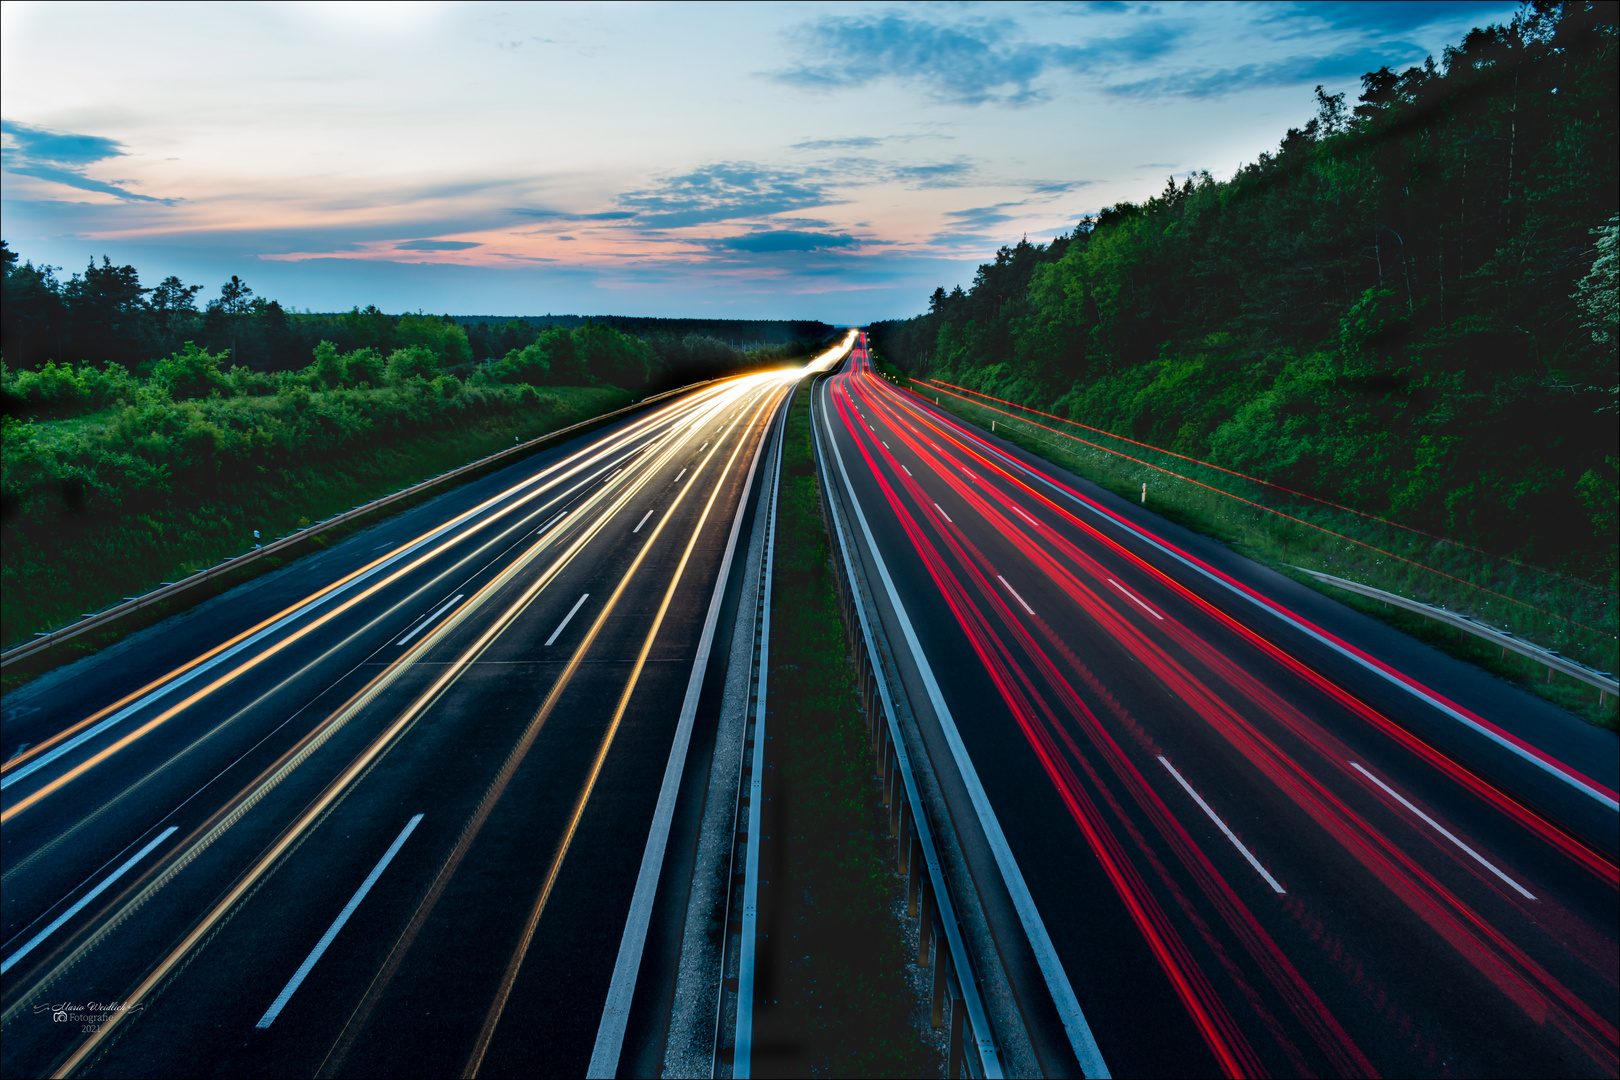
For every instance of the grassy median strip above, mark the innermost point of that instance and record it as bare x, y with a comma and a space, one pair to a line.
843, 1006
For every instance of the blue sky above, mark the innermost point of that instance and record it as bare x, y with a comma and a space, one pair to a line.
831, 161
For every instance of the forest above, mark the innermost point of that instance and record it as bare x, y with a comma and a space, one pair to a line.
1409, 307
104, 316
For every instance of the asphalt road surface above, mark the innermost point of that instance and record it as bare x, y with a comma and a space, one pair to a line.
1228, 825
381, 812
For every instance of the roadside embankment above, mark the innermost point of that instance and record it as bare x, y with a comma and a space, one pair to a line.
62, 561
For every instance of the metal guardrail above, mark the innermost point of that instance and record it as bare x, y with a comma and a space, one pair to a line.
972, 1048
1605, 682
99, 619
741, 925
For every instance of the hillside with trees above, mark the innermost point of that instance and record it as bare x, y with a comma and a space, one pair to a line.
1409, 307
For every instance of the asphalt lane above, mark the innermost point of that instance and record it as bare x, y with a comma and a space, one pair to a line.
1251, 854
508, 662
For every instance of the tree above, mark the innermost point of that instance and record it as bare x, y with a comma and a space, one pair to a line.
235, 303
170, 302
190, 373
329, 366
412, 362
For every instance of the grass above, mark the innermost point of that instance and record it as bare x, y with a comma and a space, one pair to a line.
1576, 618
843, 1004
50, 578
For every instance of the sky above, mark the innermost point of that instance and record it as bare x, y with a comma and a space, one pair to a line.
791, 160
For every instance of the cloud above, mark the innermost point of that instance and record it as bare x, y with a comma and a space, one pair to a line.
785, 240
858, 142
61, 157
436, 245
981, 217
1057, 187
969, 63
723, 192
940, 175
1293, 70
559, 215
1388, 16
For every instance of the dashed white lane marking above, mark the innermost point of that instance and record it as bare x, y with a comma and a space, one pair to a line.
908, 471
85, 900
886, 446
679, 475
1025, 516
1130, 596
1012, 590
303, 971
570, 615
550, 523
1443, 831
1204, 806
942, 513
642, 522
427, 622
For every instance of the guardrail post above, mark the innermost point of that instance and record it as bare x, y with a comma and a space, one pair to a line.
891, 781
885, 764
954, 1066
942, 972
903, 848
912, 875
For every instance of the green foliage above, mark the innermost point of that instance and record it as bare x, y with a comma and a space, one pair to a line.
1599, 291
1408, 307
589, 354
411, 362
442, 337
190, 373
57, 389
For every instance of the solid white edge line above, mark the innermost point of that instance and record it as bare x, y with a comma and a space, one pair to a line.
1014, 592
564, 624
947, 517
1148, 538
84, 901
627, 967
319, 950
1068, 1008
1204, 806
427, 622
1130, 596
1443, 831
642, 522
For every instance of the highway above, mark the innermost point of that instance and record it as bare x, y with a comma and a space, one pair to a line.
383, 812
1220, 824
